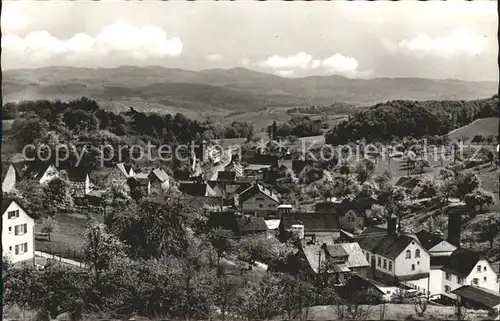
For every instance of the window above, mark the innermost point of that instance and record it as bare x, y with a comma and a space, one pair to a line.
385, 264
485, 279
408, 254
24, 247
21, 229
413, 267
368, 257
448, 276
418, 262
13, 214
390, 266
475, 281
10, 229
417, 253
10, 248
17, 249
379, 261
484, 269
479, 268
259, 198
261, 205
271, 205
447, 289
460, 280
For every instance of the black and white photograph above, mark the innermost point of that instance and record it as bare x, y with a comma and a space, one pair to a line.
250, 160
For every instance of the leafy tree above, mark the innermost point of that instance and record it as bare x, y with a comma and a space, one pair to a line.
49, 225
420, 305
57, 289
261, 300
222, 243
58, 196
298, 295
491, 230
100, 248
466, 183
478, 139
477, 199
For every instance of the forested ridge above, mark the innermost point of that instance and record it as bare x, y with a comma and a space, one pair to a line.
403, 118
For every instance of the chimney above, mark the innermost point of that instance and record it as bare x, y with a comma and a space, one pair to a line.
392, 225
454, 226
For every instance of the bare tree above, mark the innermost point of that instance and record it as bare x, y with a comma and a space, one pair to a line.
382, 308
460, 311
420, 305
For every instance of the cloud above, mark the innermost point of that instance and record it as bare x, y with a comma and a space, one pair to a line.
284, 73
214, 57
462, 41
301, 60
303, 63
119, 40
13, 21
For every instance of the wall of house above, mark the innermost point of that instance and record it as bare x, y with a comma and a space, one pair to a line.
10, 240
158, 186
490, 283
422, 285
436, 281
443, 248
487, 278
50, 173
87, 185
403, 266
361, 271
352, 221
260, 204
117, 176
9, 181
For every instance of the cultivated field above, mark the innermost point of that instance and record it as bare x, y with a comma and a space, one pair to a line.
484, 126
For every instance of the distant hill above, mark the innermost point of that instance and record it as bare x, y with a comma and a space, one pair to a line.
236, 89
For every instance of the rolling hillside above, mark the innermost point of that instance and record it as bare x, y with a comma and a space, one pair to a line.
225, 90
484, 126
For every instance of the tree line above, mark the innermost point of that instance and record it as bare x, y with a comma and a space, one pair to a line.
404, 118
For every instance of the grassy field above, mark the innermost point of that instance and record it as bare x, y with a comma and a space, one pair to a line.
484, 126
396, 312
67, 240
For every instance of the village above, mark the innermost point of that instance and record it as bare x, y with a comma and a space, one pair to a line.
342, 237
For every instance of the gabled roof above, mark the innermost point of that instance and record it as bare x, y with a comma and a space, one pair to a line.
6, 203
481, 296
378, 241
236, 224
265, 160
316, 255
356, 257
124, 169
461, 262
391, 246
226, 175
428, 240
251, 224
336, 250
138, 180
257, 167
253, 190
78, 174
496, 267
408, 182
313, 222
36, 170
160, 174
193, 188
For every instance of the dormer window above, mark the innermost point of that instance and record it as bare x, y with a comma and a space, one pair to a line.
408, 254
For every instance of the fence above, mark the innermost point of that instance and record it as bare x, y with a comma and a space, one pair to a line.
68, 257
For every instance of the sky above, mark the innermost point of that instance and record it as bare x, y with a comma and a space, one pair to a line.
441, 39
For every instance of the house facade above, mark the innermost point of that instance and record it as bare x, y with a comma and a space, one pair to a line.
18, 235
258, 201
79, 182
10, 176
467, 268
159, 181
396, 258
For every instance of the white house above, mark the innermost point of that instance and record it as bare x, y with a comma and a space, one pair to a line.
18, 235
466, 267
10, 176
259, 201
440, 251
396, 258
